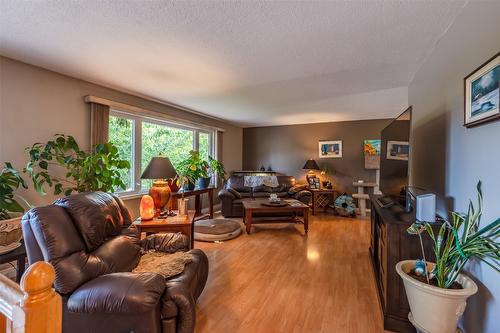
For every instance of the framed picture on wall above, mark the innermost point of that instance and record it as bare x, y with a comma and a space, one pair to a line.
330, 149
482, 93
398, 150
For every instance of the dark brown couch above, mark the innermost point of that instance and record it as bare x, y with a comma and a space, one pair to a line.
90, 241
235, 192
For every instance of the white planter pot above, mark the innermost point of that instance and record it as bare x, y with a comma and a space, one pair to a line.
433, 309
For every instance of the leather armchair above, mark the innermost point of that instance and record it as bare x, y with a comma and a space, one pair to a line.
93, 246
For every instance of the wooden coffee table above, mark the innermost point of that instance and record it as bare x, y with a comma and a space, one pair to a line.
256, 206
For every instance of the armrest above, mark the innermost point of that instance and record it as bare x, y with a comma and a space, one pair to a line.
166, 242
183, 290
226, 193
123, 293
301, 195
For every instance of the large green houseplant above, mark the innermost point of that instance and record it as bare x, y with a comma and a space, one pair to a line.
61, 164
437, 292
10, 208
10, 181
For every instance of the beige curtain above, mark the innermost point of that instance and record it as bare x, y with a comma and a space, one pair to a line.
99, 123
219, 145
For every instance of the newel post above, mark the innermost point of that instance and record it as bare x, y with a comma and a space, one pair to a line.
41, 304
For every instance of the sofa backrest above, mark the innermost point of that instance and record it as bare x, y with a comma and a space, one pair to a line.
237, 182
81, 236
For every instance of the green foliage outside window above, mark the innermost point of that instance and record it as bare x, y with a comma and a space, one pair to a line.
121, 135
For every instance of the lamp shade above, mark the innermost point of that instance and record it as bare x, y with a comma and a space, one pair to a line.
159, 167
311, 165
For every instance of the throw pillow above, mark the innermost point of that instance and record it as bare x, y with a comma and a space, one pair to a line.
296, 189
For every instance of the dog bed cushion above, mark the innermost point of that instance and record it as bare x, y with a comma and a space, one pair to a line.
216, 230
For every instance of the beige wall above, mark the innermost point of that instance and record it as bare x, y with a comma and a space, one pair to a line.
286, 149
448, 158
36, 103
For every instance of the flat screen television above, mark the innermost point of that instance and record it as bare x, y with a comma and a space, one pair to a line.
394, 157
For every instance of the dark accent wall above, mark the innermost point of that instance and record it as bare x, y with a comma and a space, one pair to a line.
286, 148
448, 158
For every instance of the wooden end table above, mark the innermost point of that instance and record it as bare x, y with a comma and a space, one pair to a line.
321, 197
197, 192
18, 255
256, 206
178, 223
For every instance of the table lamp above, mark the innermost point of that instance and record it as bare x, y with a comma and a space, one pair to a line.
161, 170
310, 166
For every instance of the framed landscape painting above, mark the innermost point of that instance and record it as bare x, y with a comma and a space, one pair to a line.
330, 149
482, 93
398, 150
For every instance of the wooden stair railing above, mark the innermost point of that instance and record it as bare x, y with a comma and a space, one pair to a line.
33, 306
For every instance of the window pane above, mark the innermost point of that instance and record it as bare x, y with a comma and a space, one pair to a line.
174, 143
121, 135
204, 145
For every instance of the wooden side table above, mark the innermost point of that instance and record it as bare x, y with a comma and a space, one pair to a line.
321, 198
197, 200
18, 255
178, 223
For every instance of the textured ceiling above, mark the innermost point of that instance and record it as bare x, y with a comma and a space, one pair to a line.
251, 62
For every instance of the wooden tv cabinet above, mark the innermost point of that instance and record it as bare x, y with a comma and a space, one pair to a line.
390, 243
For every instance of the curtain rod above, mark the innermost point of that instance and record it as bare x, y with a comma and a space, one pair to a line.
138, 110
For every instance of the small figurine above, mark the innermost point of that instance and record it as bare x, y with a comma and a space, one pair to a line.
420, 267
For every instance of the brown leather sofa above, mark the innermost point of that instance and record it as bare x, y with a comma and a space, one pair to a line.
90, 241
235, 192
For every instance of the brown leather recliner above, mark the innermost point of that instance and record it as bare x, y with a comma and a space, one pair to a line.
90, 241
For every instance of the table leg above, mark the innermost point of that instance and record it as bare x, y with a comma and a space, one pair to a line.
314, 203
192, 234
21, 266
248, 220
211, 203
197, 204
306, 221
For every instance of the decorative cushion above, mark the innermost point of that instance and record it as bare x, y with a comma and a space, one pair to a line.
280, 188
216, 230
262, 188
296, 188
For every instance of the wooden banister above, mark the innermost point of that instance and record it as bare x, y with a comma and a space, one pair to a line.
32, 307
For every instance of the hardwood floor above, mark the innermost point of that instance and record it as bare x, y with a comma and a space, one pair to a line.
278, 280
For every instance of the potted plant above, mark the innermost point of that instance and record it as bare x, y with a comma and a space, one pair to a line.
216, 169
437, 292
195, 170
10, 209
62, 165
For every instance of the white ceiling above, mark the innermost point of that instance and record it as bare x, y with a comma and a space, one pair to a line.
253, 63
